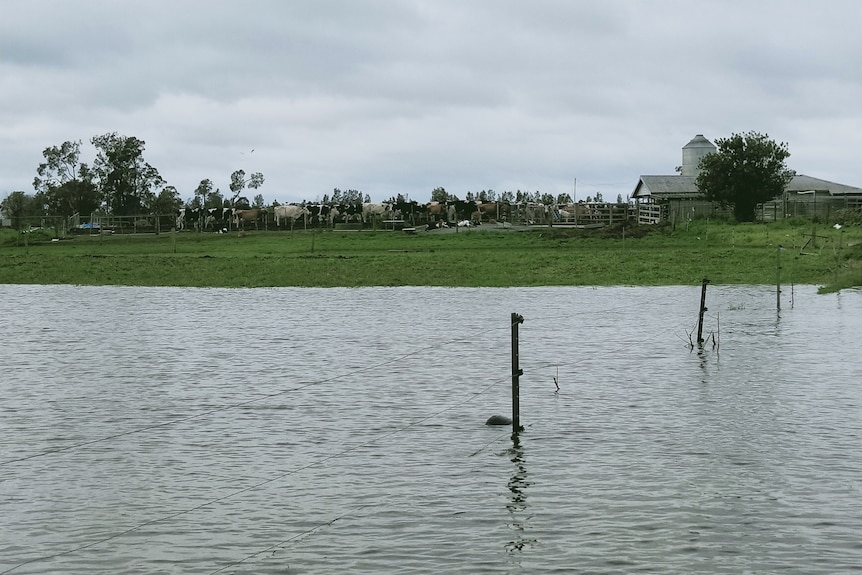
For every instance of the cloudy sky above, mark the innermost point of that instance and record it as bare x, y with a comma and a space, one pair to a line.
403, 96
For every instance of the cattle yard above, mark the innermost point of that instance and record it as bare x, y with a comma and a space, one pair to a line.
372, 216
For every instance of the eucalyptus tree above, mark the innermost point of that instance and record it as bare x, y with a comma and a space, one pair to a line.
238, 183
203, 192
66, 185
126, 180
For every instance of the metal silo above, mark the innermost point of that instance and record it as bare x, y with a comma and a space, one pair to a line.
692, 152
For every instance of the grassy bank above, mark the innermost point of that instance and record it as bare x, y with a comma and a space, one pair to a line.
639, 255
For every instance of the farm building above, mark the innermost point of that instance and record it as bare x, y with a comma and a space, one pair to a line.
675, 198
809, 197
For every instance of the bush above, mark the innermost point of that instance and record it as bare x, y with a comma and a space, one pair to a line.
11, 237
847, 217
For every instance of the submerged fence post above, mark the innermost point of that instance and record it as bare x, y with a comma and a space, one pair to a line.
516, 374
702, 310
778, 277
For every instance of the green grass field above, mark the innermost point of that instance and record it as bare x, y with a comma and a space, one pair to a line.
635, 255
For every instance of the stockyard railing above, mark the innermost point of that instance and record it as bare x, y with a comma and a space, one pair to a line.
95, 224
650, 213
284, 537
596, 213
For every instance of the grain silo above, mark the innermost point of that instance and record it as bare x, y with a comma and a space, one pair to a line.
692, 152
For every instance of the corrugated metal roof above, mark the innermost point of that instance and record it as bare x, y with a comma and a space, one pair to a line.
683, 187
803, 183
666, 187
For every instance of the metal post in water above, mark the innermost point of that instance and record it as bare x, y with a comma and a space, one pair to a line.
516, 374
702, 310
778, 278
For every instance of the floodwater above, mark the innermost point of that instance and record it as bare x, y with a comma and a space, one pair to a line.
173, 430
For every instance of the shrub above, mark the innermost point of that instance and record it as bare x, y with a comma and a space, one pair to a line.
847, 217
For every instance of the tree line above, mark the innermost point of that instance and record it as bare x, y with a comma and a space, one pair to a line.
747, 169
118, 182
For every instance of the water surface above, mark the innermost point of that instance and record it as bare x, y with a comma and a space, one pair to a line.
173, 430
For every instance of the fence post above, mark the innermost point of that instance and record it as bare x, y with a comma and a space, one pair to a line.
702, 310
516, 374
778, 277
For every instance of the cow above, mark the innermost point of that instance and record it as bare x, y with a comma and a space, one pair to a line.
537, 213
409, 210
242, 216
315, 214
460, 210
332, 215
349, 212
190, 217
447, 212
371, 211
217, 219
290, 212
489, 211
436, 211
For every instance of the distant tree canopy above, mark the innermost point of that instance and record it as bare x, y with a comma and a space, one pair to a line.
440, 194
64, 185
748, 169
127, 182
19, 206
119, 182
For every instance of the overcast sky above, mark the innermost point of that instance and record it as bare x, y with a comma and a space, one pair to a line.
403, 96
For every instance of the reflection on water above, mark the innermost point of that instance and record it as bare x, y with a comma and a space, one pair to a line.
517, 505
266, 431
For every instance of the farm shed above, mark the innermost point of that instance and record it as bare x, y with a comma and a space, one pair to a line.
675, 198
809, 197
670, 199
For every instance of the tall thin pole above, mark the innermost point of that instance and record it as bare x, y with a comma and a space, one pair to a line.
702, 310
516, 374
778, 278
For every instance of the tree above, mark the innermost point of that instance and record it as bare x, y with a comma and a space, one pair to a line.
125, 179
238, 182
747, 169
19, 207
440, 195
203, 191
167, 202
65, 185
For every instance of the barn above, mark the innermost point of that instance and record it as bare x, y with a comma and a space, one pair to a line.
675, 198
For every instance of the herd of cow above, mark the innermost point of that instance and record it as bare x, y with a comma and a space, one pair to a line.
328, 215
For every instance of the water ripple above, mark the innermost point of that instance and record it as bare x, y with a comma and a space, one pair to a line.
323, 430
